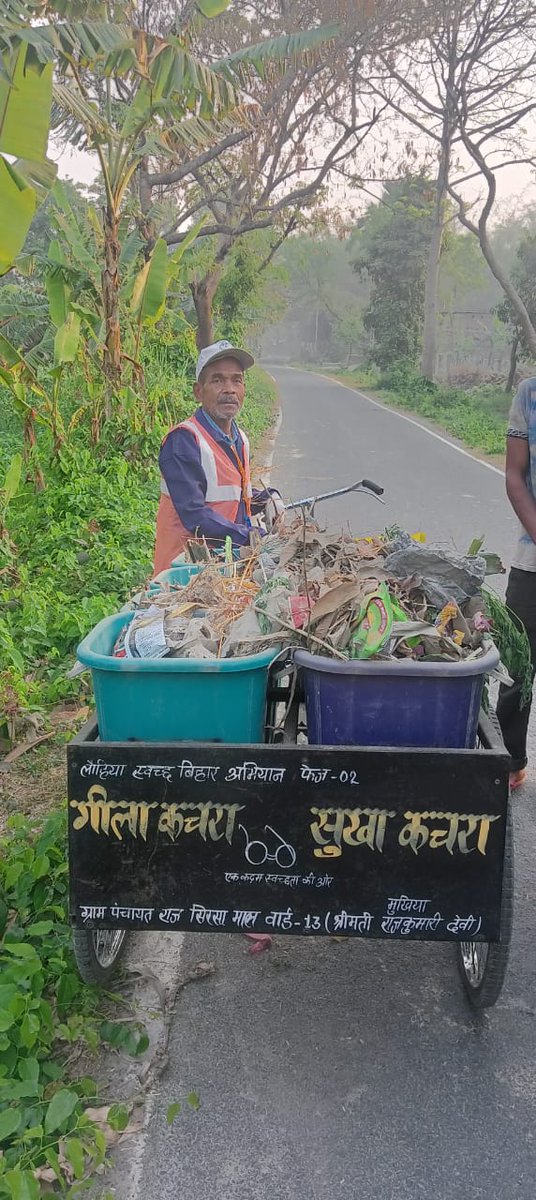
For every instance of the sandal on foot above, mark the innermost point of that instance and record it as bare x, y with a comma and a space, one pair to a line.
517, 778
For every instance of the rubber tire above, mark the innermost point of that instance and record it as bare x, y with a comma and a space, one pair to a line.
486, 994
90, 969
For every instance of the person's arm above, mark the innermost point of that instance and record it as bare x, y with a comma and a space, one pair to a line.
518, 458
517, 468
260, 498
180, 464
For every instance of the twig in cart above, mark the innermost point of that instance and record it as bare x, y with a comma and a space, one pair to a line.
310, 636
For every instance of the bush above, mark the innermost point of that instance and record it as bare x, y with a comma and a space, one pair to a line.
86, 541
476, 416
45, 1132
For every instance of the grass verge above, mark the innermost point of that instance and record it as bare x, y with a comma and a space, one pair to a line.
80, 547
52, 1138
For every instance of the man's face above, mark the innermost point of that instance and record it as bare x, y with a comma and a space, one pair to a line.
221, 390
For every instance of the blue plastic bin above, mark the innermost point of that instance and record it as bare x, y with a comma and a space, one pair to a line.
404, 703
174, 699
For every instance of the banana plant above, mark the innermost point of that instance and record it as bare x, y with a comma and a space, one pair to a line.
8, 490
30, 400
150, 287
25, 104
33, 44
125, 95
8, 550
157, 99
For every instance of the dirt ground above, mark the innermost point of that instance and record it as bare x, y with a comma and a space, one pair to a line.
33, 777
33, 785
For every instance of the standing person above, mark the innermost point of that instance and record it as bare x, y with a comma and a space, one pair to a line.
204, 462
521, 590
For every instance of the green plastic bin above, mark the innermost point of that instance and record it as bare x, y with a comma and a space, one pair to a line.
179, 576
174, 699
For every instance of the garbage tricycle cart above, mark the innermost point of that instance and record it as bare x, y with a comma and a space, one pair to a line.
287, 838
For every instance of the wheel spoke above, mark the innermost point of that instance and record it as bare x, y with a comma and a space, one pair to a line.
107, 944
475, 960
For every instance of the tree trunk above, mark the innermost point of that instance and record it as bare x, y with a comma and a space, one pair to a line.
430, 329
203, 296
513, 364
481, 232
30, 450
509, 290
429, 332
110, 298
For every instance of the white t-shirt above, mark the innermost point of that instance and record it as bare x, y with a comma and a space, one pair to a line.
522, 424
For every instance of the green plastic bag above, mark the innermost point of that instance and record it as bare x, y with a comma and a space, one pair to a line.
374, 624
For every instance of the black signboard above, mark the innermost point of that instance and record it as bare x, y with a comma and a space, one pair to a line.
287, 839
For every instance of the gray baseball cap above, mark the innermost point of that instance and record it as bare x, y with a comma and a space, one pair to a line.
222, 349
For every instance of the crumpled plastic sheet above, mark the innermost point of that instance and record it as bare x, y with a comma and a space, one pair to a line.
444, 574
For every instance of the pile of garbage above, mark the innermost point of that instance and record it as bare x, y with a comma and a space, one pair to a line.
388, 597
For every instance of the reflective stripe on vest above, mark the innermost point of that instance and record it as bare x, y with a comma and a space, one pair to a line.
245, 440
216, 493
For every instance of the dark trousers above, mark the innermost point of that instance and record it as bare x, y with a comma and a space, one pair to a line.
521, 598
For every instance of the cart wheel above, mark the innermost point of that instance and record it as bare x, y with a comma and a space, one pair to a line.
97, 952
483, 965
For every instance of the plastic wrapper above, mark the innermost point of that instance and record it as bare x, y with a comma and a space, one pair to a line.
443, 574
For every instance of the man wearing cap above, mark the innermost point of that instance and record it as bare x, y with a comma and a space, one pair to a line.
204, 462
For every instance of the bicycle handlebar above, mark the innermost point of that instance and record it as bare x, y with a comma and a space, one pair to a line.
365, 485
372, 487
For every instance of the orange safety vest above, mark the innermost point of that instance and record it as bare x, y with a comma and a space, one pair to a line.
224, 491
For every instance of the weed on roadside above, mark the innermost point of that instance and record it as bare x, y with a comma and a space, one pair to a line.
49, 1135
82, 546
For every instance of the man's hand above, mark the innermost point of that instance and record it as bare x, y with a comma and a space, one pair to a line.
273, 510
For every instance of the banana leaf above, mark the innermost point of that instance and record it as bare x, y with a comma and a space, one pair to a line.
149, 293
25, 105
17, 206
67, 340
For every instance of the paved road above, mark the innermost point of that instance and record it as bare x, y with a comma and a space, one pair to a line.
349, 1070
331, 436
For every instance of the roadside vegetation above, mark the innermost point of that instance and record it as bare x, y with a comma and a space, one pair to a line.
53, 1136
356, 309
215, 138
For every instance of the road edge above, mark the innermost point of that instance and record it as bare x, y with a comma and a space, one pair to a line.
419, 422
155, 958
263, 456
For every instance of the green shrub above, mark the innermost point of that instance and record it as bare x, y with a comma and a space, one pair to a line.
38, 985
85, 543
45, 1009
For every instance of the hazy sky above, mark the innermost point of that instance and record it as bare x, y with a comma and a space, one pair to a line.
515, 185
